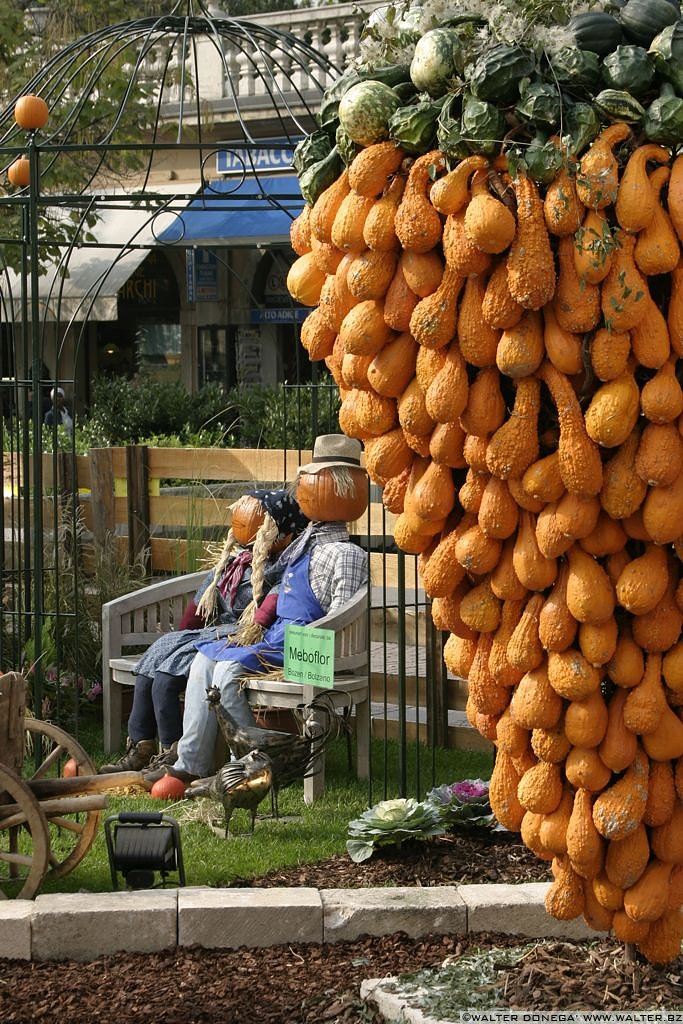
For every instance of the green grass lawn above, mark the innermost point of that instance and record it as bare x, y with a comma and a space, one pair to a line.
303, 835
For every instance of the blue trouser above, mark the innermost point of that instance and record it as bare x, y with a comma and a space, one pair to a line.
219, 664
156, 708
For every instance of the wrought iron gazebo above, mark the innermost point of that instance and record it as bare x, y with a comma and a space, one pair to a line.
117, 172
120, 172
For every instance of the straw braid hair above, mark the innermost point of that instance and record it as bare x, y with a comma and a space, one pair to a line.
268, 532
208, 603
266, 535
249, 632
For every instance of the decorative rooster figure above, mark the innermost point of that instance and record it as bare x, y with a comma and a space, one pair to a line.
292, 757
241, 783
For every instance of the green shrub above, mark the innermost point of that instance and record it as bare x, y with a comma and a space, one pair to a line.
145, 410
286, 416
162, 414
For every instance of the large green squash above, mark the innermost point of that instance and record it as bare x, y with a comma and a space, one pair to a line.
365, 111
642, 20
437, 61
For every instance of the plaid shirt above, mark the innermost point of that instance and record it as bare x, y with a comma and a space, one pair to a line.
338, 568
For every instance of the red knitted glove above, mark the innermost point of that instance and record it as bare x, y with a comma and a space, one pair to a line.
190, 619
266, 611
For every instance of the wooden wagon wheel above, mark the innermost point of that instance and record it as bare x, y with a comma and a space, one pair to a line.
24, 839
72, 833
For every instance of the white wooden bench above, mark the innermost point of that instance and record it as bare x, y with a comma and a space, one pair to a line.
133, 622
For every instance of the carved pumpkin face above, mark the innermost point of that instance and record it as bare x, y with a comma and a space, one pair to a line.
247, 516
319, 501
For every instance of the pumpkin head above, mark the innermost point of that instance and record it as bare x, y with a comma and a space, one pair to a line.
31, 112
333, 488
273, 512
319, 498
247, 515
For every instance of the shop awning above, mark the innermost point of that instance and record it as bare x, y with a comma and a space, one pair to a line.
82, 284
239, 212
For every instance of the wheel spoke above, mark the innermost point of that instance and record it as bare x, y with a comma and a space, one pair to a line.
55, 754
69, 824
16, 858
19, 818
25, 845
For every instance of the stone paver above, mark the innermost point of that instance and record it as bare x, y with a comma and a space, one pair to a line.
349, 913
230, 918
15, 929
392, 1005
517, 910
83, 926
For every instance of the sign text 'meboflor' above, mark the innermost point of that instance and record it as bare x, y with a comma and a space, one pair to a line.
309, 656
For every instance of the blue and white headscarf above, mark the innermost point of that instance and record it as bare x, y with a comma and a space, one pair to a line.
283, 508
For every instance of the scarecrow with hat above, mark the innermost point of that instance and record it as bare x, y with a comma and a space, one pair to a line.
321, 570
263, 522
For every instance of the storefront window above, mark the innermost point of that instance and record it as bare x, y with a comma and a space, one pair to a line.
158, 348
216, 356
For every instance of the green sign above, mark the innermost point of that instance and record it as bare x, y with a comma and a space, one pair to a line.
309, 656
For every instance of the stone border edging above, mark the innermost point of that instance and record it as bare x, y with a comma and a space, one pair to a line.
85, 926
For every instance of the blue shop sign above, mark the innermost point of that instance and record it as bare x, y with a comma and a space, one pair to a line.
201, 275
278, 316
240, 160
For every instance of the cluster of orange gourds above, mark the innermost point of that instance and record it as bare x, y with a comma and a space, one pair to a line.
510, 356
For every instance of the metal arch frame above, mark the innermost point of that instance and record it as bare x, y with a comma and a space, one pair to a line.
275, 56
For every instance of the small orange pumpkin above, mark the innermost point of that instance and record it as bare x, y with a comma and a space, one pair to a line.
168, 787
19, 173
70, 768
31, 112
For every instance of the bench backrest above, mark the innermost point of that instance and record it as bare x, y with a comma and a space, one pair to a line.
350, 626
136, 620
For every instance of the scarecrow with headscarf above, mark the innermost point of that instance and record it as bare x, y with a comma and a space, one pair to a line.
320, 571
263, 523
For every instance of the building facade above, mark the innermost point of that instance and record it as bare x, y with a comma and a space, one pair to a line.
180, 268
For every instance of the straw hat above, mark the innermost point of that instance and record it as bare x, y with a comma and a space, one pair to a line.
332, 450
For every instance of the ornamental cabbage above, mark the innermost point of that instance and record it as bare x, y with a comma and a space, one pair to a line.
413, 127
464, 806
539, 104
391, 822
449, 132
482, 125
582, 126
666, 49
629, 67
310, 150
576, 69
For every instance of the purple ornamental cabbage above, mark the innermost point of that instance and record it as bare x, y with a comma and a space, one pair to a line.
464, 806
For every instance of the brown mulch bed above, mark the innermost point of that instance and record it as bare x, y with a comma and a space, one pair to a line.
305, 984
491, 857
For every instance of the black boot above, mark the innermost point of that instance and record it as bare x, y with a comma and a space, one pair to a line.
137, 756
